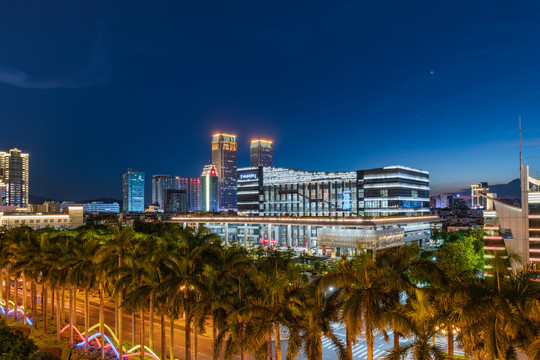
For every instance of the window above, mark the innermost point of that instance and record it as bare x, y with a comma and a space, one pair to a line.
45, 221
31, 221
38, 221
16, 221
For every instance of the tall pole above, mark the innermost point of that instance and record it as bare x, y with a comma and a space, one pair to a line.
520, 144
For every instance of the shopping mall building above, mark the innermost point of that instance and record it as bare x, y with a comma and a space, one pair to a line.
320, 211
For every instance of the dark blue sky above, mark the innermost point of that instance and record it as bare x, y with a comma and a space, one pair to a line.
90, 88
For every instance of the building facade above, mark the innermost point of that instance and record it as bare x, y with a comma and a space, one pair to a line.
261, 153
71, 218
514, 229
96, 207
176, 201
160, 183
224, 158
14, 174
388, 191
192, 186
210, 189
133, 191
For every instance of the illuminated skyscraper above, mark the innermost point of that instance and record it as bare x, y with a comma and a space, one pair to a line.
210, 189
261, 153
224, 158
160, 183
14, 174
133, 191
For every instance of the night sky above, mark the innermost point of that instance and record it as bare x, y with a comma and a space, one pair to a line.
90, 88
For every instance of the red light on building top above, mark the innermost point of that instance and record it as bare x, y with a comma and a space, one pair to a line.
213, 172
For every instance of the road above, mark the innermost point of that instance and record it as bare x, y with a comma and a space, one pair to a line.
204, 352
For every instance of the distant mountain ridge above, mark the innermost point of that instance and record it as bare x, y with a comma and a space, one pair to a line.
34, 199
511, 190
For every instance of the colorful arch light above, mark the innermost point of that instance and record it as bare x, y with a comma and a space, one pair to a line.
8, 310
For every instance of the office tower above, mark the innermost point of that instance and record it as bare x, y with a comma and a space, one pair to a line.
192, 186
133, 191
176, 201
224, 157
14, 175
160, 183
210, 189
261, 153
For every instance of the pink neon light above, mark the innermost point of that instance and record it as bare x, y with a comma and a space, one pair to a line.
534, 250
493, 248
488, 237
534, 239
491, 228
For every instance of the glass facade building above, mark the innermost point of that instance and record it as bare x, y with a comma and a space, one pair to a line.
133, 191
210, 189
224, 158
261, 153
14, 171
388, 191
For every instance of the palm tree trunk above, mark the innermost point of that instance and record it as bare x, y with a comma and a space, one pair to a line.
86, 321
16, 297
8, 288
171, 357
75, 307
348, 343
187, 311
151, 324
70, 314
101, 320
269, 352
1, 282
319, 349
278, 341
34, 303
24, 293
58, 314
195, 342
133, 328
52, 300
44, 311
43, 290
120, 323
163, 337
369, 341
63, 316
450, 341
396, 340
142, 333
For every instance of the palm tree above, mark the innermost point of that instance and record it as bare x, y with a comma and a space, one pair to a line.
312, 320
195, 248
420, 315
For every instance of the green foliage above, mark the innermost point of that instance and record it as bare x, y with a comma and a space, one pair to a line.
13, 346
459, 256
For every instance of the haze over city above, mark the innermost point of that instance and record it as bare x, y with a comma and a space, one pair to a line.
92, 89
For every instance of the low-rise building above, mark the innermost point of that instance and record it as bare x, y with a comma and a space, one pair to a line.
71, 218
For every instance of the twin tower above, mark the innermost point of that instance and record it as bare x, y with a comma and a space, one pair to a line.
218, 181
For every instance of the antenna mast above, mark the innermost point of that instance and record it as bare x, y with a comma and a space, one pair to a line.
520, 143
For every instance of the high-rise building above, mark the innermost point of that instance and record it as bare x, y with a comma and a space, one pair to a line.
176, 201
192, 186
261, 153
133, 191
210, 189
14, 175
160, 183
224, 158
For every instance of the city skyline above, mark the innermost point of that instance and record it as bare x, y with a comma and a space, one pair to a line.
336, 86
